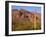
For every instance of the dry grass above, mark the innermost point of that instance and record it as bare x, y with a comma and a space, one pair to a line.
24, 25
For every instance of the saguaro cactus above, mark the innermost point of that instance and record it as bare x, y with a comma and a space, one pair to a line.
34, 21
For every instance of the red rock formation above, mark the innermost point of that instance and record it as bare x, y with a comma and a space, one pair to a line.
22, 14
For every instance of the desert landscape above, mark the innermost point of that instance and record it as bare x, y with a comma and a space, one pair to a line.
25, 20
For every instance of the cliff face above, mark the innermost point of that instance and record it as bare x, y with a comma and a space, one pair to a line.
24, 15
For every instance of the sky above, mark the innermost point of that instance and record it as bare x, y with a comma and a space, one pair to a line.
29, 8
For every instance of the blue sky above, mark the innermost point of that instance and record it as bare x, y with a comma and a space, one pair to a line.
29, 8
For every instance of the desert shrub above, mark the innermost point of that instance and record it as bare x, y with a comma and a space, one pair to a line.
25, 25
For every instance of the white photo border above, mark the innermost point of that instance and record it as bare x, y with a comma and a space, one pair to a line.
28, 31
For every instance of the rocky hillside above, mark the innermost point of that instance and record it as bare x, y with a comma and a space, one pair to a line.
24, 19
